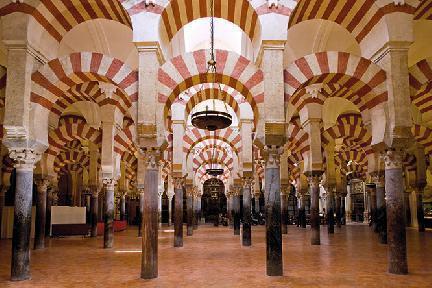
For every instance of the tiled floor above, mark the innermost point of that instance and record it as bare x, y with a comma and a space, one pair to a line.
213, 257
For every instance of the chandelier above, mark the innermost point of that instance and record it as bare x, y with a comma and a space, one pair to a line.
211, 118
214, 171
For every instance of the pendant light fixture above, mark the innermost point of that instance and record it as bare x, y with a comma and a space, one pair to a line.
216, 117
214, 171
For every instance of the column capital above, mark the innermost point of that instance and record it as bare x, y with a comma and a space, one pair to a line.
378, 178
178, 182
189, 190
393, 158
25, 158
247, 182
42, 184
140, 190
272, 156
109, 183
152, 157
284, 189
314, 178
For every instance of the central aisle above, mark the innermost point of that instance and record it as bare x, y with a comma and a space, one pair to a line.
214, 257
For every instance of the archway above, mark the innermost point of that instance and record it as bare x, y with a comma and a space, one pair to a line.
213, 200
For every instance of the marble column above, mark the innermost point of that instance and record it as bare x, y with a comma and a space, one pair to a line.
419, 202
314, 178
247, 217
257, 204
178, 211
302, 210
150, 219
170, 197
381, 217
109, 213
330, 209
199, 208
274, 262
123, 206
229, 208
396, 234
373, 206
338, 210
2, 203
189, 210
236, 211
40, 222
94, 203
24, 165
141, 211
343, 209
195, 209
284, 208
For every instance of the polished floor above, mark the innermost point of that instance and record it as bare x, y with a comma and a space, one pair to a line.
213, 257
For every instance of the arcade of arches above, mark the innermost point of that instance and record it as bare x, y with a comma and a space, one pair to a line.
330, 104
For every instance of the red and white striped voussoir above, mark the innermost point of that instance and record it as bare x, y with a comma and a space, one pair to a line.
71, 128
298, 74
423, 135
57, 76
194, 136
420, 74
178, 69
123, 141
207, 155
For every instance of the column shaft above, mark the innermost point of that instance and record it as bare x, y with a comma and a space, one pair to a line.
150, 226
381, 217
314, 209
20, 267
236, 213
178, 217
338, 211
109, 216
247, 219
284, 213
195, 212
94, 202
122, 207
141, 214
330, 211
420, 211
189, 207
39, 241
396, 234
170, 210
274, 263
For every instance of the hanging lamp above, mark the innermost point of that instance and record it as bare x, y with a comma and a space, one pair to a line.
214, 171
211, 118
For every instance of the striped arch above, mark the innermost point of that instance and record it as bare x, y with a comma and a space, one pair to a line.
60, 16
357, 16
201, 171
224, 178
358, 159
208, 155
70, 157
124, 142
91, 92
423, 136
421, 85
366, 80
70, 128
178, 13
223, 147
350, 127
212, 93
297, 142
131, 165
424, 10
194, 136
188, 70
56, 77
